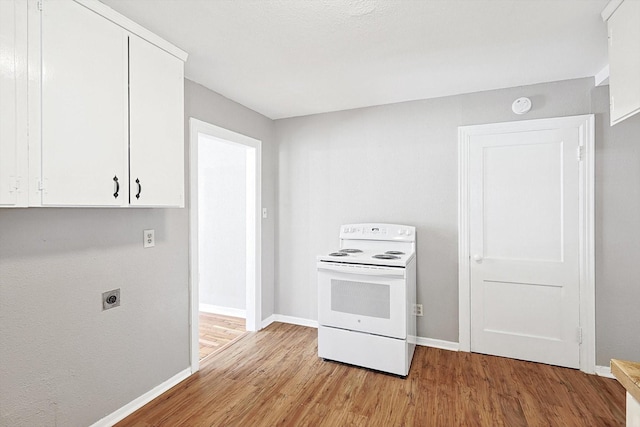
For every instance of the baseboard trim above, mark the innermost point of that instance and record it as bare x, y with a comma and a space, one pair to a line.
289, 319
604, 371
139, 402
444, 345
266, 322
225, 311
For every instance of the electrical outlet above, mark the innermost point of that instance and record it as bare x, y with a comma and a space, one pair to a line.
110, 299
417, 310
149, 238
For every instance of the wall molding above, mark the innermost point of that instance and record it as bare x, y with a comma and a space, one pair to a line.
225, 311
139, 402
300, 321
137, 29
441, 344
253, 302
604, 371
266, 322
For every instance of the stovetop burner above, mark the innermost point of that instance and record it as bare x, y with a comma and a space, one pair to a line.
350, 251
394, 253
338, 254
385, 256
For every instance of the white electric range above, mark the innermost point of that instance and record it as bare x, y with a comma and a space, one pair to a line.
366, 298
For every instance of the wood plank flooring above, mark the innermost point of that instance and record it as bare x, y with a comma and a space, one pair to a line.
217, 331
274, 378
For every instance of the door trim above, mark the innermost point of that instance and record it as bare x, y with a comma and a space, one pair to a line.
585, 125
254, 228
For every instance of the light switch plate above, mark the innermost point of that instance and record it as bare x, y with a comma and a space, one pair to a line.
149, 238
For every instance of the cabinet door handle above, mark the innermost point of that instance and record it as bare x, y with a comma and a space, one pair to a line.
139, 188
115, 179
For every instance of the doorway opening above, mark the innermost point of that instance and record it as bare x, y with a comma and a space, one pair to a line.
225, 257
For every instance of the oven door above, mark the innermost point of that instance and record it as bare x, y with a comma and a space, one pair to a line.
363, 298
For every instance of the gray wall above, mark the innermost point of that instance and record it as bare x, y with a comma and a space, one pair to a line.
62, 360
617, 234
222, 220
398, 163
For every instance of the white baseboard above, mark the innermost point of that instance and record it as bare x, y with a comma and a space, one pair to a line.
289, 319
138, 403
225, 311
266, 322
431, 342
604, 371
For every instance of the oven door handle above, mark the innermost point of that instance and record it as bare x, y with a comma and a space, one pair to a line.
362, 271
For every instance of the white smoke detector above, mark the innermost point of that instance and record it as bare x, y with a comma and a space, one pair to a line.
521, 105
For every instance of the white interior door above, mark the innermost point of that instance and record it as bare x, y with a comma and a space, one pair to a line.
524, 244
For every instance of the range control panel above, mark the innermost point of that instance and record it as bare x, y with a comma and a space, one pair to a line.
405, 233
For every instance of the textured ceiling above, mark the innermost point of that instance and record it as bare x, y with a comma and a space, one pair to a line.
286, 58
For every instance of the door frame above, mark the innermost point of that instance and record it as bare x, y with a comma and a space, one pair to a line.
585, 126
254, 228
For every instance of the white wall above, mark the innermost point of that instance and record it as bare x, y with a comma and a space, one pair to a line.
398, 163
63, 361
222, 205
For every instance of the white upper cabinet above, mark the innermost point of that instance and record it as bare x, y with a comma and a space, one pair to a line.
110, 99
13, 103
156, 87
84, 108
624, 59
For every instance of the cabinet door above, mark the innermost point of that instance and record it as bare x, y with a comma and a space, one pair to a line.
156, 145
13, 108
624, 61
84, 107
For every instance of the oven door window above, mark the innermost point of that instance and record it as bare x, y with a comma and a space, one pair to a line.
361, 298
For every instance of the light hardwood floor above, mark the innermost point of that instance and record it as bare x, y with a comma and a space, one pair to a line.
217, 331
274, 378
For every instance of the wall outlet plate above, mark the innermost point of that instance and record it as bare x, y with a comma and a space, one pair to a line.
110, 299
149, 238
417, 310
